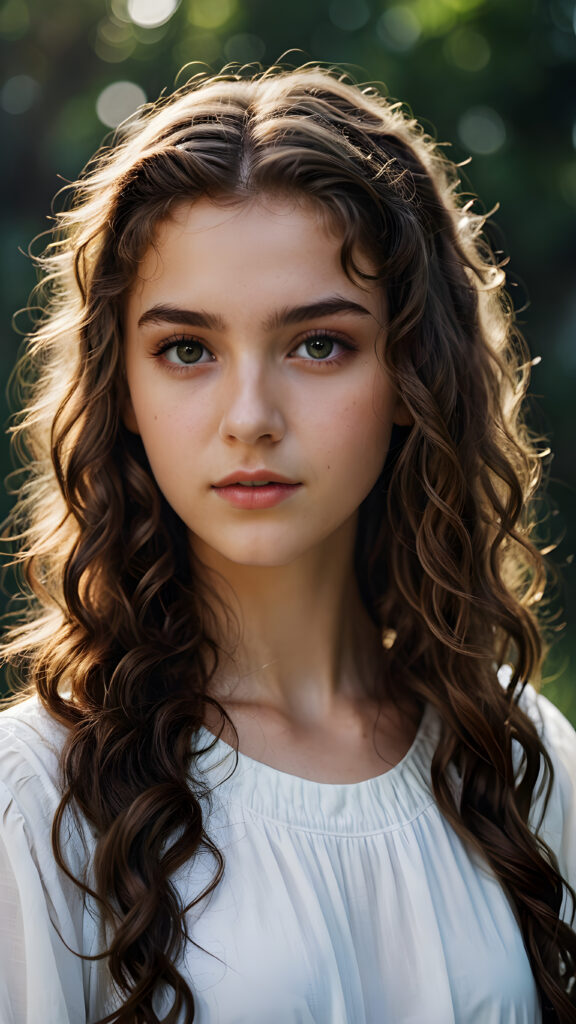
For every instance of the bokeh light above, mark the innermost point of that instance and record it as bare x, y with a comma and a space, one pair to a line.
19, 94
114, 41
118, 101
399, 28
244, 48
197, 45
14, 19
467, 49
151, 13
482, 130
349, 16
210, 13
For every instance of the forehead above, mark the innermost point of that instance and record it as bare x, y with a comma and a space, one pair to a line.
267, 248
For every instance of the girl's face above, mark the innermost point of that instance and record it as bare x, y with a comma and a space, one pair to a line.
249, 350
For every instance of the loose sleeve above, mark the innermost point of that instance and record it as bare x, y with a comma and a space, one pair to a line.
557, 826
40, 909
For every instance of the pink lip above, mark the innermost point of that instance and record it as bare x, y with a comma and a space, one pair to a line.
254, 498
253, 475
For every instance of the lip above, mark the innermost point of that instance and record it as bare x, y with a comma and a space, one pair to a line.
252, 499
254, 476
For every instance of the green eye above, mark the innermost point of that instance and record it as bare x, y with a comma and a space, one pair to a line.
184, 352
319, 348
189, 352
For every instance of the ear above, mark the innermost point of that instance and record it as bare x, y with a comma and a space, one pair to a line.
128, 415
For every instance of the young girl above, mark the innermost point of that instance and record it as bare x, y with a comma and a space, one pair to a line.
280, 757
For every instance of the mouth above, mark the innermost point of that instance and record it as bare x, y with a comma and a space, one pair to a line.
255, 495
258, 483
255, 478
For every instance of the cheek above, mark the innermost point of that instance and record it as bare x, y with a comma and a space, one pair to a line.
367, 441
168, 417
168, 441
364, 423
351, 446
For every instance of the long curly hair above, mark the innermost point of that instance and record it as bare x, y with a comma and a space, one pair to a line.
117, 639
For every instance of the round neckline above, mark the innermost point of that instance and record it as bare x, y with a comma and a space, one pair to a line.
246, 759
380, 803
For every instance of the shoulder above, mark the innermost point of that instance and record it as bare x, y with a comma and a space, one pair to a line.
557, 734
555, 821
555, 731
31, 742
42, 912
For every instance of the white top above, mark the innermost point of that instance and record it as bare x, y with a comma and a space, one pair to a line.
340, 903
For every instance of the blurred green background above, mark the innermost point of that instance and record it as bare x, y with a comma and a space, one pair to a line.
493, 78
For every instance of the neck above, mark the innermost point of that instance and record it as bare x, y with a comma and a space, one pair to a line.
304, 640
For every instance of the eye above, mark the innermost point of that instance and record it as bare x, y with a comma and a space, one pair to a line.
184, 352
321, 346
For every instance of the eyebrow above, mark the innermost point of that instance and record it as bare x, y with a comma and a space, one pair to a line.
333, 304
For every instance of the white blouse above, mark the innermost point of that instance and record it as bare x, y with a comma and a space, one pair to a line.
340, 903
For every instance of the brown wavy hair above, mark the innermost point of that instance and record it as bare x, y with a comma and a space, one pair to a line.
118, 641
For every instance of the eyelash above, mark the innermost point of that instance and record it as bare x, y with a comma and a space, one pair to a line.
182, 339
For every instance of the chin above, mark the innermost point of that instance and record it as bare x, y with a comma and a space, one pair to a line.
262, 558
262, 553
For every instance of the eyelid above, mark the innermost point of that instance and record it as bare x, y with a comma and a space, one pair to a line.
177, 339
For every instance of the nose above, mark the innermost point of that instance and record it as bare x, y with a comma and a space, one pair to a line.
251, 409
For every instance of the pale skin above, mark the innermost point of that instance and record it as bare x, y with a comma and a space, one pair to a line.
247, 348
